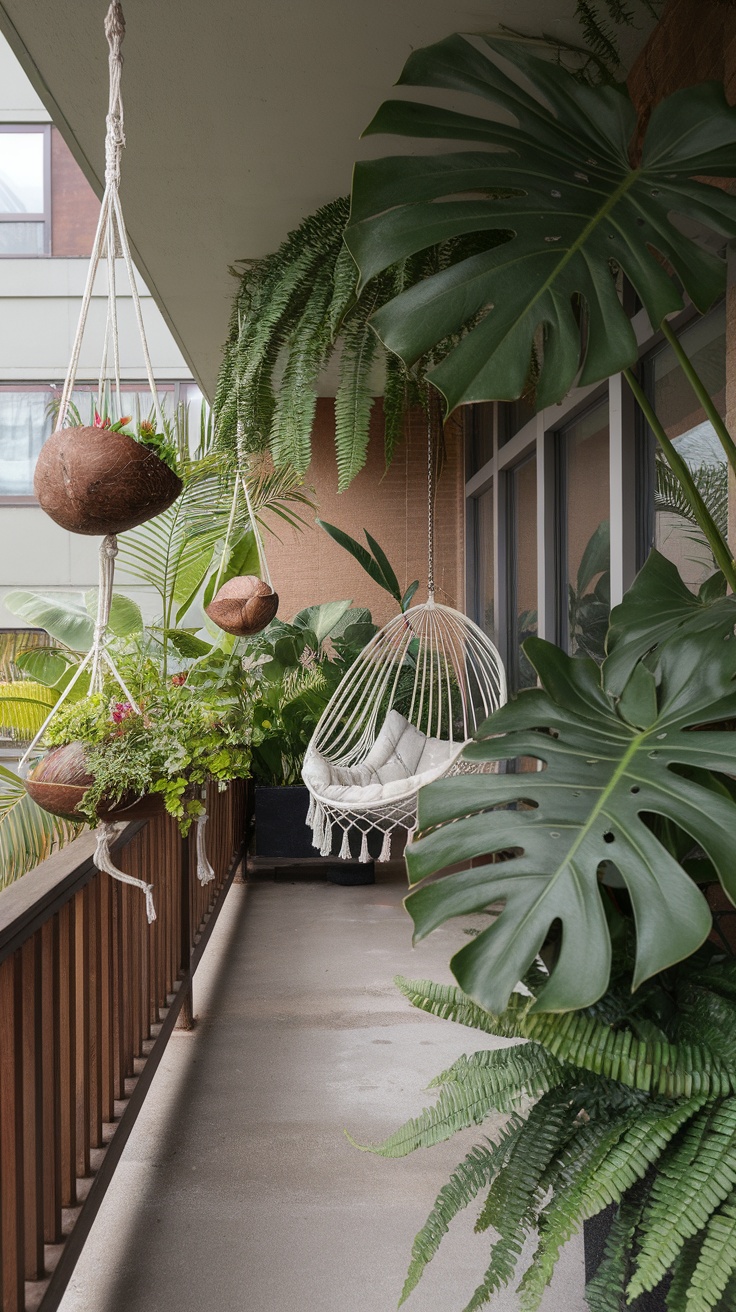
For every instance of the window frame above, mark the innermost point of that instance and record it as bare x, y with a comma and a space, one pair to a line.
44, 130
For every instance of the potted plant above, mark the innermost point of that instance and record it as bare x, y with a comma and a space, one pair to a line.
296, 668
104, 479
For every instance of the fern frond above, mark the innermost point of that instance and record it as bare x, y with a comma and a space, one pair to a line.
309, 348
682, 1273
605, 1291
394, 406
624, 1148
354, 399
472, 1088
657, 1066
717, 1261
474, 1173
692, 1182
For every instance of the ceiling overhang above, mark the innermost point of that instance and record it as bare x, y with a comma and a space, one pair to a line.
240, 119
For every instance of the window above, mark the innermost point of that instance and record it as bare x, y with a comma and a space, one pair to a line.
521, 512
24, 190
671, 529
584, 592
26, 421
483, 562
478, 437
512, 416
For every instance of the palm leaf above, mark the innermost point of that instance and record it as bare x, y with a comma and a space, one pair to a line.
27, 834
560, 190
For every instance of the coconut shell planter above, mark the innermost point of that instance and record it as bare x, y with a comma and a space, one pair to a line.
58, 784
243, 606
99, 482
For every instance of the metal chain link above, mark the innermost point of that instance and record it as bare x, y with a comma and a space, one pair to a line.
430, 506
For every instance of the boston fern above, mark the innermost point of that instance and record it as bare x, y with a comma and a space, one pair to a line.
291, 312
634, 1106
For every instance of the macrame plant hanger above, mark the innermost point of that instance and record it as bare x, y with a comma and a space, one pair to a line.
110, 238
367, 759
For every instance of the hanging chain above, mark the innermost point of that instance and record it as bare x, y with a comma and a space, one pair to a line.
430, 505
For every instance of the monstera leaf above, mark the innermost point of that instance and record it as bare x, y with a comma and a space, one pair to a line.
560, 193
656, 606
606, 764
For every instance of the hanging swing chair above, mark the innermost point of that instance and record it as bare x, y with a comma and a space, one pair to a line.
400, 718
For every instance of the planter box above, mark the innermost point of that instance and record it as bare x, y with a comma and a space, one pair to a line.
282, 832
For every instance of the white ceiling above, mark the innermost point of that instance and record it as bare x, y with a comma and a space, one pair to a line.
240, 118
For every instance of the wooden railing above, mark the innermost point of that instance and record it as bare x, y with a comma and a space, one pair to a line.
89, 995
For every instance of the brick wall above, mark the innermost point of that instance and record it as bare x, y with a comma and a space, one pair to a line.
74, 206
308, 567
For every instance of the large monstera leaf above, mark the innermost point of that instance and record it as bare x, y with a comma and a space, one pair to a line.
560, 189
607, 763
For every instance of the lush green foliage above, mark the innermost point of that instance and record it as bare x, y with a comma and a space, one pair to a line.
296, 668
194, 728
633, 1104
27, 834
374, 561
620, 772
559, 192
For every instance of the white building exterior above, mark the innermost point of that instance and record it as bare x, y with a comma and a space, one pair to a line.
39, 306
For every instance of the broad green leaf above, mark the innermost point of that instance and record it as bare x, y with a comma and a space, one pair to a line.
323, 620
242, 559
600, 776
187, 644
557, 190
384, 564
596, 558
656, 606
125, 614
357, 551
408, 595
62, 615
44, 664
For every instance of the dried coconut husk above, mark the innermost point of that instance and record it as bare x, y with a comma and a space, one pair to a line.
58, 784
99, 482
243, 606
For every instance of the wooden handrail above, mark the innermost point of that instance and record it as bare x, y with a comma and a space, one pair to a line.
89, 995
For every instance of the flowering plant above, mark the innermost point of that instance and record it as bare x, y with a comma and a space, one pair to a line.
189, 730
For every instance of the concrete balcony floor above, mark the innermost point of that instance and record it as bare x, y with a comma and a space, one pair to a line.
238, 1189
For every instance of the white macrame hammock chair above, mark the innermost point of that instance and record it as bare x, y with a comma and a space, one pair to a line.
111, 241
400, 719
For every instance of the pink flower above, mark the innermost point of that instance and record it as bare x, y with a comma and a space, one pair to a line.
121, 711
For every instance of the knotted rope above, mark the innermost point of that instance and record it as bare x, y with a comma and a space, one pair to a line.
106, 832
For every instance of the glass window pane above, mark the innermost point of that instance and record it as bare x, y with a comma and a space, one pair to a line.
24, 427
676, 406
22, 238
512, 416
586, 582
478, 437
483, 562
21, 172
523, 570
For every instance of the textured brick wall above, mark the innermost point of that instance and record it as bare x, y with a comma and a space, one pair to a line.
74, 207
308, 567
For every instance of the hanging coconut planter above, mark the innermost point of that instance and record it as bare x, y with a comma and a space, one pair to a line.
243, 606
59, 781
99, 482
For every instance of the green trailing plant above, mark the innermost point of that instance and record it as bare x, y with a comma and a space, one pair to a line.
195, 728
292, 310
27, 834
570, 214
296, 668
632, 1103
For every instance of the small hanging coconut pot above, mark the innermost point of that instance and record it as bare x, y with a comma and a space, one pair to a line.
58, 784
243, 606
99, 482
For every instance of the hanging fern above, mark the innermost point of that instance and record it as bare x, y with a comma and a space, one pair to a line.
292, 309
616, 1104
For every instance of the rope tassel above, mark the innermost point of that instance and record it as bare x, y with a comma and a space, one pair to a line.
385, 853
205, 870
345, 846
106, 833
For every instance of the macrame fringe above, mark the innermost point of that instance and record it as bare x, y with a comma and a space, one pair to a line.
318, 824
385, 853
345, 846
103, 861
364, 855
410, 833
310, 812
205, 871
326, 844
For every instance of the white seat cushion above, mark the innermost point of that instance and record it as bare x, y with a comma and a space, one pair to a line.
400, 761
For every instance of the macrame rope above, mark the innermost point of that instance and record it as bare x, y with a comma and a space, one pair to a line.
205, 870
106, 832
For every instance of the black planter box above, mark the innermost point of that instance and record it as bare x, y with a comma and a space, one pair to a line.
282, 831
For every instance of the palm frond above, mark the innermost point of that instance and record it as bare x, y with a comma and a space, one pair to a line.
24, 706
27, 834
